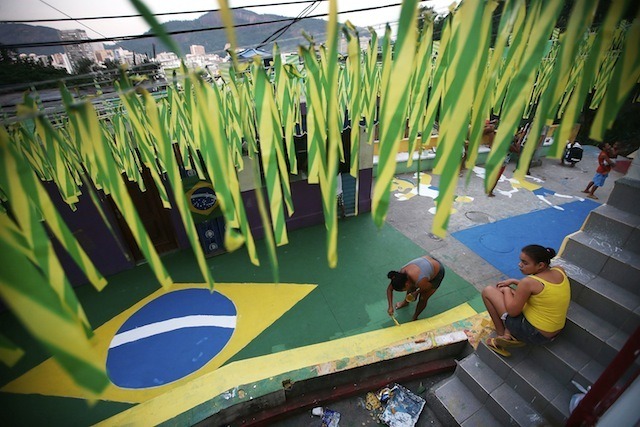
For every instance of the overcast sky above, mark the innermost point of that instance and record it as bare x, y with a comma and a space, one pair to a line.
56, 9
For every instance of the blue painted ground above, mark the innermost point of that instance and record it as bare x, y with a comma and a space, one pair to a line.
174, 335
499, 243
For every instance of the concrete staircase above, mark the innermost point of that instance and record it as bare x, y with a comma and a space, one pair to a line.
533, 387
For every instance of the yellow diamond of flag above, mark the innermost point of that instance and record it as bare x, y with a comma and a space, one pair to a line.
180, 320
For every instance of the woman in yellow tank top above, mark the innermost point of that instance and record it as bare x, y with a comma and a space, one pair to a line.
533, 312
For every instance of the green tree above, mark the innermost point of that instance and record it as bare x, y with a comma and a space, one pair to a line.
16, 71
84, 66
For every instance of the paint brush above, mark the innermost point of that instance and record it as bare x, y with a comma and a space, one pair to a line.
395, 320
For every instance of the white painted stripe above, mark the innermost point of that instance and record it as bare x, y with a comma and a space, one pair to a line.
169, 325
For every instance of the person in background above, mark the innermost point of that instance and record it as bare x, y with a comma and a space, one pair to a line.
532, 310
419, 278
602, 172
513, 148
489, 131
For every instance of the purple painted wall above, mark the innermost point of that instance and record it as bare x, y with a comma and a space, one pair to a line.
103, 248
307, 202
109, 251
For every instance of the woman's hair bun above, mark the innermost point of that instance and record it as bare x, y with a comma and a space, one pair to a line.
390, 274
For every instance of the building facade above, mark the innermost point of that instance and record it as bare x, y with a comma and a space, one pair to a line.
75, 52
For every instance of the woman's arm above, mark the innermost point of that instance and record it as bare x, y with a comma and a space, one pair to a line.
514, 300
507, 282
390, 299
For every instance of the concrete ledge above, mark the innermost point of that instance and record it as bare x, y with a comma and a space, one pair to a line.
338, 379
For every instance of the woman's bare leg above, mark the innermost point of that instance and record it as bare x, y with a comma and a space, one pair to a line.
494, 301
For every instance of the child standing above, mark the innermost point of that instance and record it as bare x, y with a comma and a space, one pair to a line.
604, 167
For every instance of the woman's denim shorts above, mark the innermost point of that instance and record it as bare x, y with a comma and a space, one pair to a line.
524, 331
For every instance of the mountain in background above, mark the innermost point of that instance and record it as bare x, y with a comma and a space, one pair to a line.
23, 33
213, 40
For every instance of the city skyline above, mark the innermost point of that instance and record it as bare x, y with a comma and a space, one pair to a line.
13, 10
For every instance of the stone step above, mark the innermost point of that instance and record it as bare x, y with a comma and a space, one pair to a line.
576, 274
595, 336
510, 409
581, 249
619, 228
541, 389
452, 402
618, 305
600, 258
481, 418
545, 383
483, 381
502, 365
568, 362
623, 269
562, 358
624, 195
478, 377
608, 301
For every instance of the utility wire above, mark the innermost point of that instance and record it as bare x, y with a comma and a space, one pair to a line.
143, 36
89, 18
58, 10
86, 26
276, 34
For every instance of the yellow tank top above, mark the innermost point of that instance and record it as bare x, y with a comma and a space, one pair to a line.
547, 311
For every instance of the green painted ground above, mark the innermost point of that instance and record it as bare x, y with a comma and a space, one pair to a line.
349, 300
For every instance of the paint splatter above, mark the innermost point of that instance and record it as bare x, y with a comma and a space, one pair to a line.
406, 189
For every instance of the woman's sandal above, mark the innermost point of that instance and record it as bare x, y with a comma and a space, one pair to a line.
509, 342
493, 346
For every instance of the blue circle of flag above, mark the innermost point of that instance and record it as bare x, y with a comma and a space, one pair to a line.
170, 337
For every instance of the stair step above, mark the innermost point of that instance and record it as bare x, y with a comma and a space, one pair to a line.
624, 195
455, 404
571, 362
575, 273
633, 244
599, 257
610, 302
623, 269
481, 418
587, 252
536, 386
478, 377
452, 402
509, 408
598, 338
557, 411
610, 224
546, 390
502, 366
